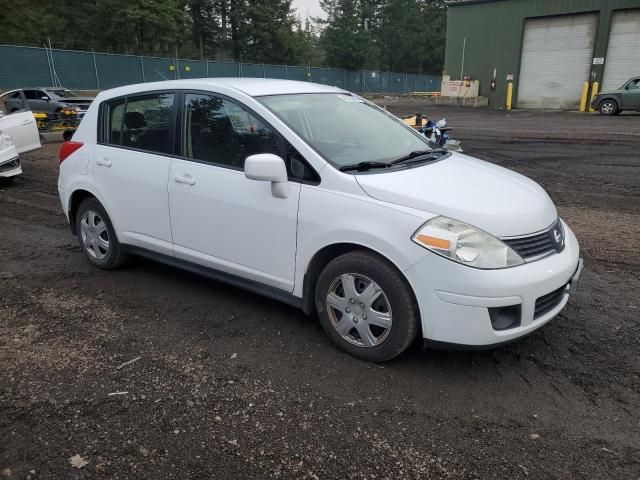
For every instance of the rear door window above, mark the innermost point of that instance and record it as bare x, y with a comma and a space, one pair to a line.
142, 122
147, 123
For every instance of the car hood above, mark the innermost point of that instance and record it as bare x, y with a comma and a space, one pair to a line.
494, 199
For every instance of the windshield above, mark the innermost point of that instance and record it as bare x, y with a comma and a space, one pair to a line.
63, 93
344, 128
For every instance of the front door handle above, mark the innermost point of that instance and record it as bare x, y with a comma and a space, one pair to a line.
26, 122
186, 178
105, 162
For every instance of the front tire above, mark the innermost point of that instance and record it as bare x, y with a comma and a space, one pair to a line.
366, 307
97, 237
608, 107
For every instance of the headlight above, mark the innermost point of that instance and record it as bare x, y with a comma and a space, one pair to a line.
465, 244
5, 141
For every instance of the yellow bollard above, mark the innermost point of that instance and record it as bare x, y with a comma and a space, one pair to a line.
509, 94
594, 92
583, 97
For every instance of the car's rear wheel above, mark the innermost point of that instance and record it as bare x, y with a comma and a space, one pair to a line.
97, 237
608, 107
366, 306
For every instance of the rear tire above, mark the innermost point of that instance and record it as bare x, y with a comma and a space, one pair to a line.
608, 107
97, 237
366, 306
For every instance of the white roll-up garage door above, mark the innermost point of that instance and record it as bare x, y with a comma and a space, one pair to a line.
623, 54
556, 60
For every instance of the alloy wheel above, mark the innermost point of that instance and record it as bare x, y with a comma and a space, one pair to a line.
608, 107
359, 310
95, 236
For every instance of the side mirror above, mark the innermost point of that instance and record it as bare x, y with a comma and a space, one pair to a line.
267, 167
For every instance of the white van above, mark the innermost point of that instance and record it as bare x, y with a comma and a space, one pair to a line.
314, 196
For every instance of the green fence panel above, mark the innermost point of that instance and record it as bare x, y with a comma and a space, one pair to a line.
337, 77
23, 67
297, 73
75, 69
354, 80
157, 69
118, 70
320, 75
30, 67
254, 70
275, 71
223, 69
191, 68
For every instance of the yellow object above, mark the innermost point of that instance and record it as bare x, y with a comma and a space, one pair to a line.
172, 68
583, 97
187, 68
411, 121
509, 95
39, 115
594, 92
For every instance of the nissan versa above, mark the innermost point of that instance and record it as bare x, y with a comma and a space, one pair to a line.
316, 197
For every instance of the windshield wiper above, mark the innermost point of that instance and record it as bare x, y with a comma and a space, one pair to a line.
362, 166
420, 153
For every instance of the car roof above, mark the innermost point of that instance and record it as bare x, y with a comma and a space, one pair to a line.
254, 87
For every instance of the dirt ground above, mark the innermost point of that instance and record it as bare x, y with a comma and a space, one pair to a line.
233, 385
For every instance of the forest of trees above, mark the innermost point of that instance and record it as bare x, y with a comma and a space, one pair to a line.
399, 35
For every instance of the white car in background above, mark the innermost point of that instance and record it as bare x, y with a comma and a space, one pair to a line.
314, 196
18, 133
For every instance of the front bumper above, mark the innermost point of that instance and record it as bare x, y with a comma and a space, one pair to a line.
455, 300
9, 163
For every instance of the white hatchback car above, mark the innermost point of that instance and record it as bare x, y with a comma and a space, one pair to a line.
316, 197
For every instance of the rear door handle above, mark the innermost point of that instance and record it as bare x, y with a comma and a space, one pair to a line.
26, 122
105, 162
186, 178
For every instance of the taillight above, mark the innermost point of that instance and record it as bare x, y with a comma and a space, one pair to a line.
67, 148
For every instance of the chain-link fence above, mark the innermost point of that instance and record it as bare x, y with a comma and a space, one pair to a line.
38, 67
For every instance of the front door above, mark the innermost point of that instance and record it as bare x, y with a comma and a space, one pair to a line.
18, 122
130, 166
631, 95
39, 101
219, 218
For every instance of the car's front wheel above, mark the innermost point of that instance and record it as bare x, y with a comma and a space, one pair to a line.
97, 237
608, 107
366, 306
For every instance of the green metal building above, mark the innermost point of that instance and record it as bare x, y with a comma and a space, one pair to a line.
547, 48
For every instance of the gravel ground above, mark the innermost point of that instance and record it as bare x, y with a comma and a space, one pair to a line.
233, 385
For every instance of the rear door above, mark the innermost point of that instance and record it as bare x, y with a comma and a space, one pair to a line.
18, 122
130, 166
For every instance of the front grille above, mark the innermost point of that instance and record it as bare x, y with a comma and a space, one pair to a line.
539, 244
548, 302
10, 165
